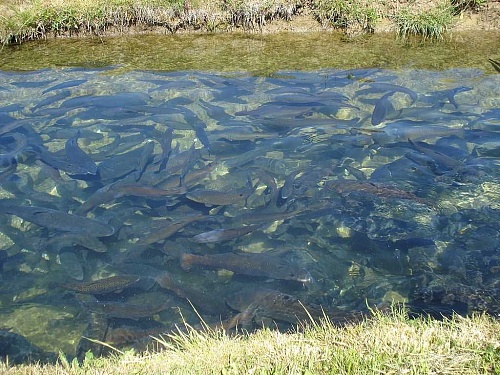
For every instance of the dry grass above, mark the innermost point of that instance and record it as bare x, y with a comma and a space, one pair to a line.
388, 344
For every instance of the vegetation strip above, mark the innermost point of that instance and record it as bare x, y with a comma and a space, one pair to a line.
390, 343
25, 20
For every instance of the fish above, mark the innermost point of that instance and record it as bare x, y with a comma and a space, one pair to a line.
222, 235
258, 264
124, 310
219, 198
202, 135
383, 86
287, 189
167, 230
114, 191
442, 159
206, 302
103, 286
257, 306
20, 144
144, 159
119, 100
54, 219
77, 157
400, 131
346, 187
240, 133
383, 107
119, 336
88, 242
266, 217
65, 85
166, 149
120, 165
32, 84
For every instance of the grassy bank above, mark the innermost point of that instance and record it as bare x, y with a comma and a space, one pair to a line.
23, 20
387, 344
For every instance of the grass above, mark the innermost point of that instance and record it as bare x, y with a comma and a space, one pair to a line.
346, 15
430, 24
460, 6
388, 344
23, 20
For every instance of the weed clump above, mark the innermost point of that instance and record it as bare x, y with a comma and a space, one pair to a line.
355, 16
430, 24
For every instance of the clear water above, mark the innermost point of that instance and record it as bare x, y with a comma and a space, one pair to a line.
257, 53
336, 187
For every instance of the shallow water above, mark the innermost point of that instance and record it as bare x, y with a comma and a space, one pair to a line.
257, 53
334, 187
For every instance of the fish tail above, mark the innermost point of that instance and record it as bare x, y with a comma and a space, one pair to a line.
187, 261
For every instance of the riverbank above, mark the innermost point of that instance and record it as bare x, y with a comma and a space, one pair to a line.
388, 344
24, 20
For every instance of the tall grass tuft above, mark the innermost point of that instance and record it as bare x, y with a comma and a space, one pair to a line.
430, 24
346, 15
254, 14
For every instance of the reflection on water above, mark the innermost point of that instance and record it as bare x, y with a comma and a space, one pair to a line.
124, 196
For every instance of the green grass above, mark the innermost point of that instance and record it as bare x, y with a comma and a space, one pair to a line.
387, 344
430, 24
346, 15
23, 20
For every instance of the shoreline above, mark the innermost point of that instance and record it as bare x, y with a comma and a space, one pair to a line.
30, 21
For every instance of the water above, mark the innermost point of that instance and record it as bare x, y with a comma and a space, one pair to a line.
128, 192
261, 54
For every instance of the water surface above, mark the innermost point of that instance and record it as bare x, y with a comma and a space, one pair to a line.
262, 54
126, 193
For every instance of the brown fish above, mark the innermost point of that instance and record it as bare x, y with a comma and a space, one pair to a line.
103, 286
125, 335
260, 265
346, 187
257, 306
117, 190
219, 198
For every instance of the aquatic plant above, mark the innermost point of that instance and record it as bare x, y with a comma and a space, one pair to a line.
346, 15
431, 23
